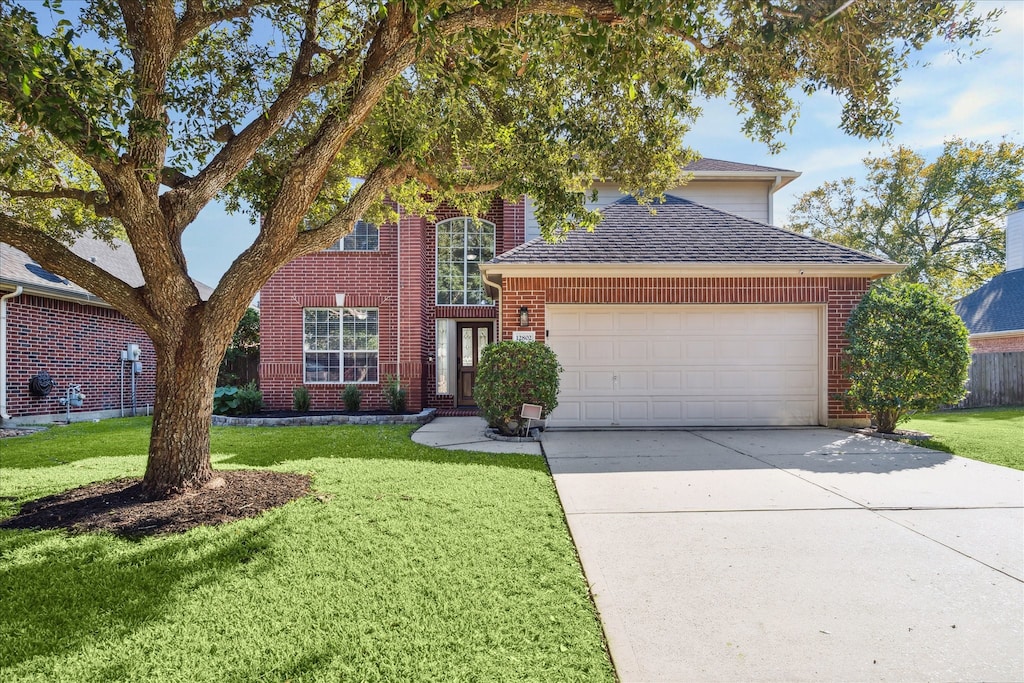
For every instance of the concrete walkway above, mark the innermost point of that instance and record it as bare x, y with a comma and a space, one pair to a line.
467, 434
795, 554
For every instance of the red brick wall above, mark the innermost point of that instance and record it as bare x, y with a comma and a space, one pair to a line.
839, 295
370, 279
76, 344
998, 344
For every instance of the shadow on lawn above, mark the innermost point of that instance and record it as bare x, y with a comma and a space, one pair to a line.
277, 445
100, 588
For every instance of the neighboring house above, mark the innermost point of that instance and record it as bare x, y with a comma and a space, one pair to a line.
994, 313
53, 326
692, 312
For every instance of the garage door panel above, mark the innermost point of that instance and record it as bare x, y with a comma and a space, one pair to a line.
732, 350
666, 322
700, 381
598, 411
633, 350
700, 351
569, 381
597, 380
598, 321
633, 411
670, 350
667, 380
665, 365
632, 321
632, 380
801, 380
667, 411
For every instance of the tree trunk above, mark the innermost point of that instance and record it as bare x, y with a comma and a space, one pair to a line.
886, 420
179, 444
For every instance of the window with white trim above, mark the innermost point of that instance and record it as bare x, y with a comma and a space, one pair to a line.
340, 345
364, 237
462, 245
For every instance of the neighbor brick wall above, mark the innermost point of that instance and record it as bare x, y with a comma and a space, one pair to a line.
840, 295
998, 344
76, 344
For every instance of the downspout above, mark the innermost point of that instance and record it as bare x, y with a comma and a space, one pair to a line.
497, 287
3, 351
771, 199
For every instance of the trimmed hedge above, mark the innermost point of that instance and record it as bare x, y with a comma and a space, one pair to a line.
511, 374
908, 352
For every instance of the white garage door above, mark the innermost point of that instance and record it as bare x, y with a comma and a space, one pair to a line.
710, 365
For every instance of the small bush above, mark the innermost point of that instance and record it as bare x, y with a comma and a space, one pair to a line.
908, 352
511, 374
250, 398
244, 400
394, 394
352, 397
300, 399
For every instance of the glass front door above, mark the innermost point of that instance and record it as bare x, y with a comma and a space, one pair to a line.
473, 338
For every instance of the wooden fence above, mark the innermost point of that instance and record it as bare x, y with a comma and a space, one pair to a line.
995, 379
240, 371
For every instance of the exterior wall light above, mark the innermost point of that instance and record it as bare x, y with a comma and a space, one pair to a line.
524, 316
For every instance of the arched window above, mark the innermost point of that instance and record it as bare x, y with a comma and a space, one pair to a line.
462, 245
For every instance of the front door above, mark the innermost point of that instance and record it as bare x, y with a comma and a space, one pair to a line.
473, 337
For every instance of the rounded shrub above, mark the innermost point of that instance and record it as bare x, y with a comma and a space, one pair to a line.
511, 374
908, 352
352, 397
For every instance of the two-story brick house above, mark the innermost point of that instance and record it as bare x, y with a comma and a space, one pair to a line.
697, 312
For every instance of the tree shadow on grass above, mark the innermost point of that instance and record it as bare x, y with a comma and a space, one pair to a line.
57, 593
278, 445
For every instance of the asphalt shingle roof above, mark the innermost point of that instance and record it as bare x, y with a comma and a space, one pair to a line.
996, 306
18, 268
682, 231
732, 166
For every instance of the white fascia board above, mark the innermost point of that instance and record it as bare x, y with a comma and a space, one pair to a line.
785, 177
31, 289
870, 270
997, 335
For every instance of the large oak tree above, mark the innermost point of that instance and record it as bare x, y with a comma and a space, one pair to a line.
136, 114
942, 218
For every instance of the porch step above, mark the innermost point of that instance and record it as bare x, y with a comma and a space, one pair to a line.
458, 412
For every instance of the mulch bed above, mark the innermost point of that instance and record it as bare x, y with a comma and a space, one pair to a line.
124, 508
314, 413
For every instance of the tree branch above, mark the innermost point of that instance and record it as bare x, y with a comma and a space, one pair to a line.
185, 201
59, 259
434, 183
196, 19
95, 200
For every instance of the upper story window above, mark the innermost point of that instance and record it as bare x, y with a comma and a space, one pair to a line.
462, 245
364, 237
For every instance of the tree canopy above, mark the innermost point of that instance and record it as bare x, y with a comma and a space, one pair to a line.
943, 219
132, 115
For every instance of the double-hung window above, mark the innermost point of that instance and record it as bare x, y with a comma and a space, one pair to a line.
364, 237
462, 245
340, 345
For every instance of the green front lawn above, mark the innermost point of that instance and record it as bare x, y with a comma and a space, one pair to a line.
994, 435
408, 563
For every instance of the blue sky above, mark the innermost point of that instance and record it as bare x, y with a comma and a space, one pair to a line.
981, 99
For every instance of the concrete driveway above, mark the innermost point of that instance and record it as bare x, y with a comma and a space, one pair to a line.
795, 554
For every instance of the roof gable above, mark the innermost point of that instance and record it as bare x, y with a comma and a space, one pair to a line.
996, 306
680, 231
